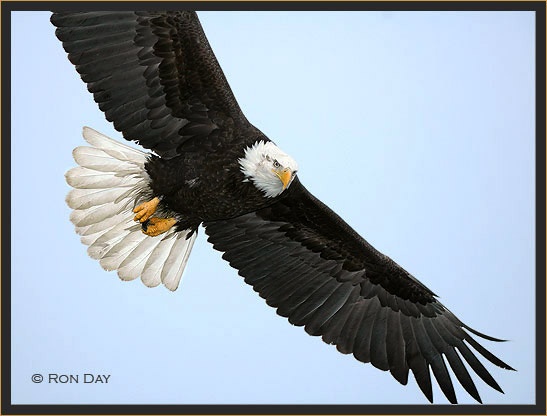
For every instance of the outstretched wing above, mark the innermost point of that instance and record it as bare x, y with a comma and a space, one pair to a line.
154, 75
317, 271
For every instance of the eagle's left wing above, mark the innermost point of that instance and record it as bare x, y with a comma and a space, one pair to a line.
155, 77
317, 271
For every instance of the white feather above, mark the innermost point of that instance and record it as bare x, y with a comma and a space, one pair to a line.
115, 149
110, 179
109, 239
117, 254
151, 275
132, 266
106, 224
89, 239
83, 217
84, 199
83, 178
173, 266
91, 233
97, 159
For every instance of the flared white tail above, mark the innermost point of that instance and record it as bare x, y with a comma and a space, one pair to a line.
108, 184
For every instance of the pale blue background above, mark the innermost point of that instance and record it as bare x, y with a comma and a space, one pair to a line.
417, 128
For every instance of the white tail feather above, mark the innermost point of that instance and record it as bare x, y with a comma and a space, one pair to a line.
83, 178
109, 182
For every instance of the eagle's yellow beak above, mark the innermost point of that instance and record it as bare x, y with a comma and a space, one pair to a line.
284, 176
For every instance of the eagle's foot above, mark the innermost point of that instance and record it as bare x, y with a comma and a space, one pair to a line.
146, 209
156, 226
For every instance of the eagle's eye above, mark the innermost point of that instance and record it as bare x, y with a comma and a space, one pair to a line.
276, 164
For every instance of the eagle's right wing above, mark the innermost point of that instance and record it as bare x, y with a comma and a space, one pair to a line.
154, 75
317, 271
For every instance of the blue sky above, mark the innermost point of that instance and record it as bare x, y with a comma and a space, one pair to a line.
416, 127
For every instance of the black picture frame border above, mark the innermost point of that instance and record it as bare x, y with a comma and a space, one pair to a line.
7, 408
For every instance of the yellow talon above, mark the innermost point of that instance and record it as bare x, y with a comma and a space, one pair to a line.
157, 226
146, 210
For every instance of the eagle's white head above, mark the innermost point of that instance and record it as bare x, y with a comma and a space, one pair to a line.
269, 168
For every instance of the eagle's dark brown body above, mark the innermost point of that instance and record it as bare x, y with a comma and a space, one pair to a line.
206, 187
157, 79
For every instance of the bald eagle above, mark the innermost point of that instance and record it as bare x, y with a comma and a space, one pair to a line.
156, 78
